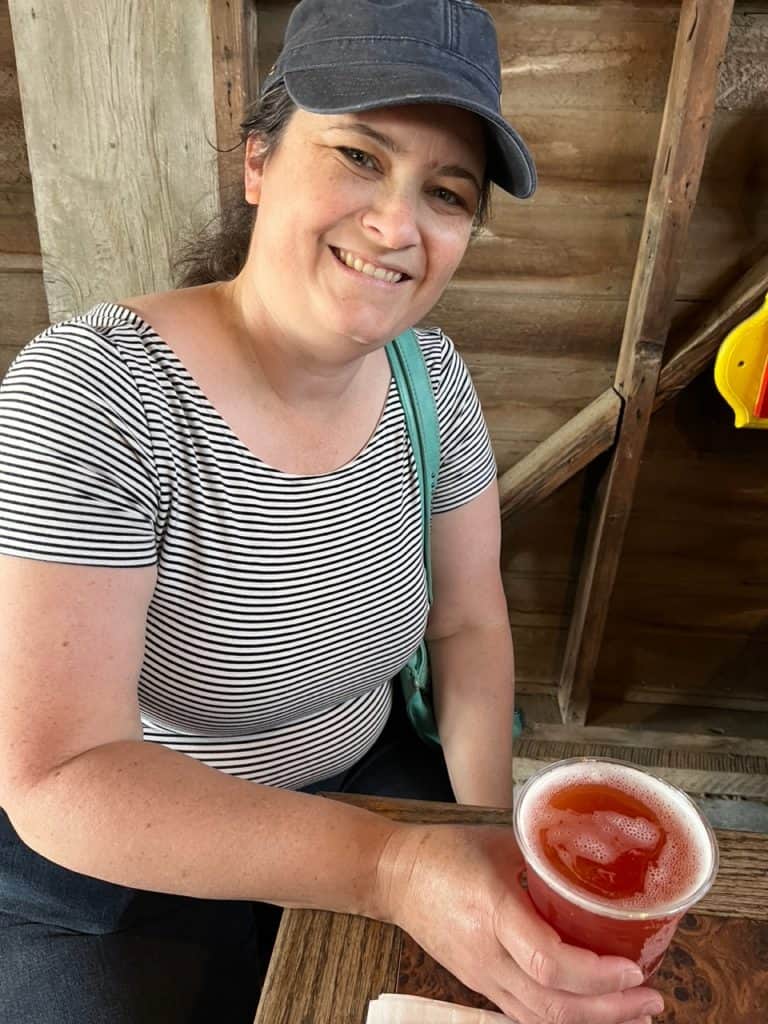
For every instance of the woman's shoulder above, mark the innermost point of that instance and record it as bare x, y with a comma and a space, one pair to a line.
441, 356
82, 343
172, 312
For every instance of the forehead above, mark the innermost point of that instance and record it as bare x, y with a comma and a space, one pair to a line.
413, 128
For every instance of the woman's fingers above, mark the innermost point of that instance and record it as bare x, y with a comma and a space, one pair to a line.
535, 1003
517, 1011
552, 963
548, 1003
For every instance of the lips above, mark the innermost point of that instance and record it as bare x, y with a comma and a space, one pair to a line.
368, 269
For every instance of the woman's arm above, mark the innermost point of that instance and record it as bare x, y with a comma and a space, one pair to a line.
84, 790
470, 648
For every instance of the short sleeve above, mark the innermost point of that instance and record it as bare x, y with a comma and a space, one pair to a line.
467, 463
77, 477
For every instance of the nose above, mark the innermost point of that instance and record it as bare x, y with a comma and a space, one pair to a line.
392, 218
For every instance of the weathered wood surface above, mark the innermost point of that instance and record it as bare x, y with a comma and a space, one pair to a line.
319, 946
533, 756
701, 38
326, 967
562, 455
740, 301
119, 133
24, 311
231, 59
593, 430
616, 736
14, 167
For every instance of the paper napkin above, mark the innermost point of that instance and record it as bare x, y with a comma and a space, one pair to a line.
394, 1009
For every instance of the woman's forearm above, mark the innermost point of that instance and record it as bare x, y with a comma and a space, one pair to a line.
144, 816
473, 680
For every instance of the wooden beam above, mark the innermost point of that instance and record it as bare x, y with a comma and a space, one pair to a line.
618, 736
699, 46
734, 784
592, 431
119, 120
739, 302
229, 42
562, 455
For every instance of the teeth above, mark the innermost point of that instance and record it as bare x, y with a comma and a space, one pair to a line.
355, 263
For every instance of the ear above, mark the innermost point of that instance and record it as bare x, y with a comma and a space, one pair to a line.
254, 169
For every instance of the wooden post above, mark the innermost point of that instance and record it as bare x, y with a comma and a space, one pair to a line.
701, 37
120, 126
593, 431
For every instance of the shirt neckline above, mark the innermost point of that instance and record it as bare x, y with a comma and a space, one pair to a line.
117, 313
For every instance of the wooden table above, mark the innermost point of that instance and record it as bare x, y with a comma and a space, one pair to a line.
326, 967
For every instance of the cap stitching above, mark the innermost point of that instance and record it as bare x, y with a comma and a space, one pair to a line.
404, 39
453, 31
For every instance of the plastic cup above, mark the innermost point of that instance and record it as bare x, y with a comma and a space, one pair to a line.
584, 865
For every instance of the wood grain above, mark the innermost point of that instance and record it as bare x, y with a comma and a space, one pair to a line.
562, 455
639, 737
119, 131
593, 430
701, 38
229, 43
716, 971
25, 312
345, 960
739, 302
700, 782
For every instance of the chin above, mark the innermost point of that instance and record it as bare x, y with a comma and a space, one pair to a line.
368, 335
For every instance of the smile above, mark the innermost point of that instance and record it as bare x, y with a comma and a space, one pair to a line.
369, 269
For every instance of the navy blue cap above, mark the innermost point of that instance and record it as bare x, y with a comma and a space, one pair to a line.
345, 55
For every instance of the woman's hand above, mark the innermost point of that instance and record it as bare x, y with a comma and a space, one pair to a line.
456, 891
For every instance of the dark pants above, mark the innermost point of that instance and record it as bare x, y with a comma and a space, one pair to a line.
75, 950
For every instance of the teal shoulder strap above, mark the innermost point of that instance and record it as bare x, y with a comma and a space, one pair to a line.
418, 402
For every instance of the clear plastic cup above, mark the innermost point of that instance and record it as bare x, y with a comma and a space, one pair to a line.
588, 842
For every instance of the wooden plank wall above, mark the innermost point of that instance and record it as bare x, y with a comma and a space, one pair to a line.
22, 297
124, 169
691, 604
538, 310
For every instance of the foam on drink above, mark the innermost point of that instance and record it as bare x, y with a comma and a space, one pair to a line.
652, 825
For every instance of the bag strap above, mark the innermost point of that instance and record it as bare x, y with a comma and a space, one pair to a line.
418, 402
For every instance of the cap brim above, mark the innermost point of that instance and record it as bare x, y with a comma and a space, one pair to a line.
367, 86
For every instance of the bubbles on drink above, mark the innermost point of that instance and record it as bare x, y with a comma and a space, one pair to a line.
615, 836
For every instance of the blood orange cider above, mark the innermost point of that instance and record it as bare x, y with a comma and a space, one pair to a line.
614, 856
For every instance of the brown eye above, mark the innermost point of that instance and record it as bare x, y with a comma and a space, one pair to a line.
358, 157
450, 198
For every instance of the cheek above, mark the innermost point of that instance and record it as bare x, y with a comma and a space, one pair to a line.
447, 251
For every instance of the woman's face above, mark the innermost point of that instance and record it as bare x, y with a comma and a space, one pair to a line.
363, 219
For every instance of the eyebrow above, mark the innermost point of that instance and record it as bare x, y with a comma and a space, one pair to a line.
450, 170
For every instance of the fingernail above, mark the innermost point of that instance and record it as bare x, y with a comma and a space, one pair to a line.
654, 1006
631, 977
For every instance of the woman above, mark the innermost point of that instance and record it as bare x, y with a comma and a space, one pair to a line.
212, 569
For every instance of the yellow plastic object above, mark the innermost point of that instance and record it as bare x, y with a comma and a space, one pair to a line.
741, 370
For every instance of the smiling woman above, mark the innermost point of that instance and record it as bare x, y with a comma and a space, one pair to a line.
212, 569
394, 188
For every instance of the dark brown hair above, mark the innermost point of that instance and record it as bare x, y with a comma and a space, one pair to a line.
220, 251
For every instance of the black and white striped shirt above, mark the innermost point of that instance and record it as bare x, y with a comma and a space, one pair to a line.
284, 604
